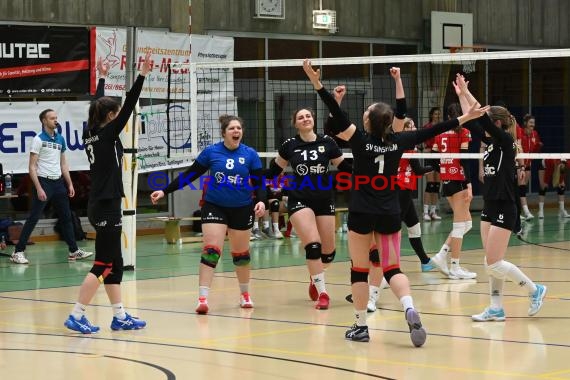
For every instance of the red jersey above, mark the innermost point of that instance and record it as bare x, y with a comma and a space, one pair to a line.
450, 142
428, 143
530, 143
406, 179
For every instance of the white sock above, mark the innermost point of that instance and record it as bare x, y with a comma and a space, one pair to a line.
119, 310
432, 209
518, 277
265, 224
276, 227
526, 210
426, 209
496, 288
243, 288
360, 317
203, 291
78, 311
384, 284
374, 292
256, 225
561, 206
407, 302
454, 263
319, 281
444, 250
541, 206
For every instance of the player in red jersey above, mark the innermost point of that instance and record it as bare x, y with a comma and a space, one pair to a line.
530, 143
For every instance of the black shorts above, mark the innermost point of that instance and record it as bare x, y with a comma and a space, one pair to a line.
236, 218
500, 213
274, 195
408, 213
105, 212
451, 188
365, 223
320, 207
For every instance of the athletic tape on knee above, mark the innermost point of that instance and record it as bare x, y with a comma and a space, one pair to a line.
457, 230
358, 275
101, 270
210, 256
542, 191
499, 270
561, 189
522, 190
327, 259
116, 275
386, 240
274, 205
468, 225
415, 231
313, 251
241, 259
374, 257
391, 273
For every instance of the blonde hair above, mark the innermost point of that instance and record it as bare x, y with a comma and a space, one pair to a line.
508, 122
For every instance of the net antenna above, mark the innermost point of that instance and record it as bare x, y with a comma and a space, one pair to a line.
469, 65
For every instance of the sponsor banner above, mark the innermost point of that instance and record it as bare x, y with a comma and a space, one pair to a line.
44, 61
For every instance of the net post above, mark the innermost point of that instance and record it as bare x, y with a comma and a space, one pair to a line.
168, 101
193, 109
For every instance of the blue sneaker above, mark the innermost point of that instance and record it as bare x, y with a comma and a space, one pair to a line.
83, 325
129, 323
490, 315
428, 266
536, 299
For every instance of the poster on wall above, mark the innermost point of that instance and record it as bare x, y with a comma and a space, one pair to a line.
38, 61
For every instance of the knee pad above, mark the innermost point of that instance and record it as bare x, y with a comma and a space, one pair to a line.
358, 275
415, 231
210, 256
274, 205
430, 187
101, 270
542, 191
561, 189
241, 259
374, 257
388, 274
499, 270
327, 259
457, 230
522, 190
467, 226
313, 251
116, 275
436, 187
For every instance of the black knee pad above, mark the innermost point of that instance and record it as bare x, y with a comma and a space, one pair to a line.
542, 191
313, 251
561, 189
436, 186
274, 205
101, 270
430, 187
391, 273
374, 257
358, 275
116, 275
327, 259
522, 190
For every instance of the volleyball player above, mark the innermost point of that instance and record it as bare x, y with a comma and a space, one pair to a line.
375, 212
229, 206
105, 153
530, 143
431, 194
499, 210
310, 199
555, 175
455, 177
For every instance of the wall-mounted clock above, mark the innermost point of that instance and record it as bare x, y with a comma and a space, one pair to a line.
270, 9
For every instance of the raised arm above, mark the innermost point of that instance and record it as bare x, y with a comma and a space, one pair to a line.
103, 69
401, 108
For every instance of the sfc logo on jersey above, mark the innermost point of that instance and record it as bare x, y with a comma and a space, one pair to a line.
321, 149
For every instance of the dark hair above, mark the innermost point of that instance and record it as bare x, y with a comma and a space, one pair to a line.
527, 117
44, 113
294, 114
432, 111
380, 116
99, 109
225, 120
454, 111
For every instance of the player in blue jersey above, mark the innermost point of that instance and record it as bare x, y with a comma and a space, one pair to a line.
235, 172
310, 200
374, 212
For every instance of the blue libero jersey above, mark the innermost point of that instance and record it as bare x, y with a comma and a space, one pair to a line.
230, 171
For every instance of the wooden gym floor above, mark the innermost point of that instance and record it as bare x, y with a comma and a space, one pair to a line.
284, 337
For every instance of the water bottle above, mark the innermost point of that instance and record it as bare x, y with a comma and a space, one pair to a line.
8, 183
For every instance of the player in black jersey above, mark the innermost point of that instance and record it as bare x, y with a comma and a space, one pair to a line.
373, 209
310, 200
499, 210
104, 150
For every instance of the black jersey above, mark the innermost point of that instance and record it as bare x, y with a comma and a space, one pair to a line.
378, 160
310, 163
499, 166
105, 151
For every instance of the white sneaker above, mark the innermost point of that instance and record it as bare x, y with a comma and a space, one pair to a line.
434, 216
371, 306
245, 301
79, 255
563, 214
19, 258
490, 315
540, 214
440, 262
458, 273
278, 235
528, 216
427, 218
